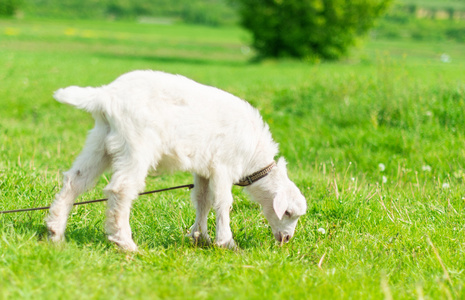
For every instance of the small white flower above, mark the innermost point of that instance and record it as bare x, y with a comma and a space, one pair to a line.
321, 230
426, 168
445, 58
245, 50
445, 185
384, 179
382, 167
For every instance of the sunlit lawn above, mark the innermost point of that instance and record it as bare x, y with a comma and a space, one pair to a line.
375, 142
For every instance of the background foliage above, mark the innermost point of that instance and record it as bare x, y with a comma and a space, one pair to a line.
427, 20
9, 7
311, 29
406, 19
208, 12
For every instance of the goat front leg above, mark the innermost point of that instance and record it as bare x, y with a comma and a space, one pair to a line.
202, 200
223, 199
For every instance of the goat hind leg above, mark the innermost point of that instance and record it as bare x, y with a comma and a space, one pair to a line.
122, 190
90, 164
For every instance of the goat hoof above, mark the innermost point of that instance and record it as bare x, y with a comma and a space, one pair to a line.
199, 239
231, 245
54, 237
129, 246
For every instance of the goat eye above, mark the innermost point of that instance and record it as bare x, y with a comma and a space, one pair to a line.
287, 213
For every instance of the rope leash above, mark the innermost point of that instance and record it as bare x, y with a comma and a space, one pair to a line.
190, 186
243, 182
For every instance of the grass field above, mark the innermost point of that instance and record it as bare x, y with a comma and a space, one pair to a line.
375, 142
441, 4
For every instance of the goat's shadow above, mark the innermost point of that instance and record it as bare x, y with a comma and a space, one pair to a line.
87, 236
80, 235
95, 235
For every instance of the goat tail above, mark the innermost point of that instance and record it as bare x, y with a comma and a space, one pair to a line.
87, 98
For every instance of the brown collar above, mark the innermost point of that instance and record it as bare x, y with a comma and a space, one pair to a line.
248, 180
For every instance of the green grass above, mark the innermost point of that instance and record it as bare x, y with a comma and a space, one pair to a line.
396, 232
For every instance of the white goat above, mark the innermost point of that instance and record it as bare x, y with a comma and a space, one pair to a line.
152, 120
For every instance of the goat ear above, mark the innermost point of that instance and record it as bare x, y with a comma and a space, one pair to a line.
279, 206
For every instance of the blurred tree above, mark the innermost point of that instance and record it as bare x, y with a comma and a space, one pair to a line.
8, 7
311, 29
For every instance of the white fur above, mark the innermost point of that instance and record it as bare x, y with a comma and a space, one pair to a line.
152, 120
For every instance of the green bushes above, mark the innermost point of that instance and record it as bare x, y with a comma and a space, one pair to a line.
296, 28
430, 21
8, 7
421, 29
208, 12
312, 29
